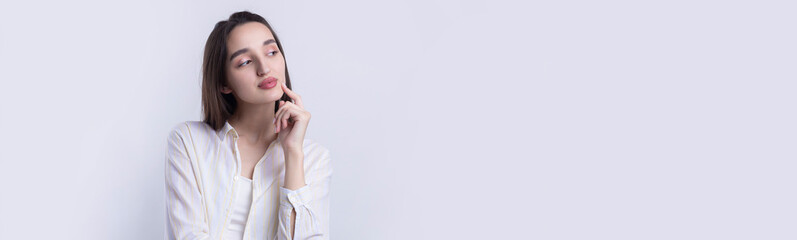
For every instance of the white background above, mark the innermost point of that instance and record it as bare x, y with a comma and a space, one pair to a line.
445, 119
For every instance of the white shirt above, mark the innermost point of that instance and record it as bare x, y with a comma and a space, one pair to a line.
203, 171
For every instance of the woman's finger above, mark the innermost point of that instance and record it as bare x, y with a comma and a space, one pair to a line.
293, 95
286, 114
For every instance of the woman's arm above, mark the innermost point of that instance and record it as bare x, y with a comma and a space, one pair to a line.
185, 208
304, 208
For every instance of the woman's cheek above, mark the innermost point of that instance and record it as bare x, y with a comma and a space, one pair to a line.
281, 68
239, 78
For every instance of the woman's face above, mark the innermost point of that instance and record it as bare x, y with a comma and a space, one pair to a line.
253, 57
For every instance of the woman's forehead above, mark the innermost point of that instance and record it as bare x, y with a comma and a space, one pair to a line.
251, 34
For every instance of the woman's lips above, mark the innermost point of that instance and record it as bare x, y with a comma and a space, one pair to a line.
268, 83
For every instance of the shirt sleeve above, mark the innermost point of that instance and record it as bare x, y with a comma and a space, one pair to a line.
185, 210
311, 203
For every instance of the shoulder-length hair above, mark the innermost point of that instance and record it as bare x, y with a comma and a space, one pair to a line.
217, 107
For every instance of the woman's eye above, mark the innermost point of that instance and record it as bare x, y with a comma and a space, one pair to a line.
244, 63
272, 53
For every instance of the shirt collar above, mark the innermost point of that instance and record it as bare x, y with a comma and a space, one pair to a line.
225, 130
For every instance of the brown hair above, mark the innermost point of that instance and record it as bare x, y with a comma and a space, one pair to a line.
217, 106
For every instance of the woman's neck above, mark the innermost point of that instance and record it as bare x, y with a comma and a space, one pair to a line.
254, 122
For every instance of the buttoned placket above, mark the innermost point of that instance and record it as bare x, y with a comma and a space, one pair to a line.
228, 210
236, 178
255, 175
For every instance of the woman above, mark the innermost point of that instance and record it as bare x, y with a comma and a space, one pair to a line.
246, 171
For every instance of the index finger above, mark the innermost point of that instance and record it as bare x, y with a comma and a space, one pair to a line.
296, 98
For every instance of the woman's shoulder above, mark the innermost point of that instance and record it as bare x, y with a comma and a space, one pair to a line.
191, 129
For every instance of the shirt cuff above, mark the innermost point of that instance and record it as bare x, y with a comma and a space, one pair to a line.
295, 198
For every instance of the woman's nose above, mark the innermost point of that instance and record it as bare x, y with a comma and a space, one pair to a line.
263, 69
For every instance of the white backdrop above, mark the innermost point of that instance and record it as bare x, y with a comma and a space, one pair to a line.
445, 119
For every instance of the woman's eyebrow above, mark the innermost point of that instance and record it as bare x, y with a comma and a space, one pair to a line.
244, 50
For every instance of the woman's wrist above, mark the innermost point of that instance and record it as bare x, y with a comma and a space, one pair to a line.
293, 155
294, 170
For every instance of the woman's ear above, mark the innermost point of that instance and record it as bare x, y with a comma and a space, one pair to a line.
226, 90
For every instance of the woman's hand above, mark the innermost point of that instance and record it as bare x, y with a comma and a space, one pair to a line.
291, 122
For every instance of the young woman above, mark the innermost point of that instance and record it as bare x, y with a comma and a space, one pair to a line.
246, 171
